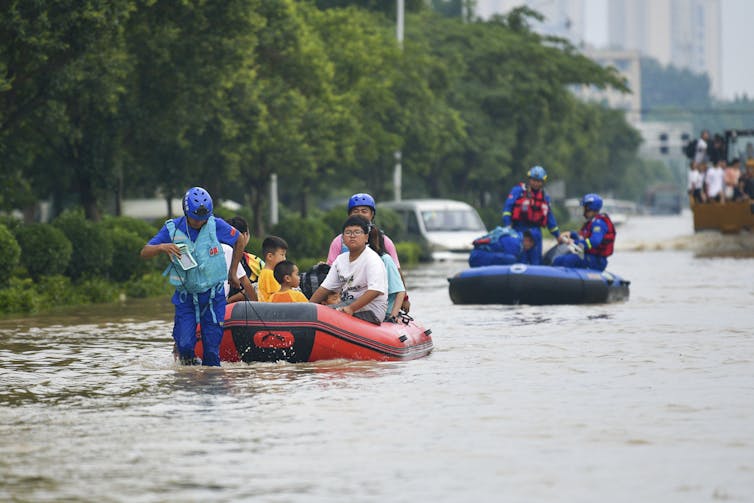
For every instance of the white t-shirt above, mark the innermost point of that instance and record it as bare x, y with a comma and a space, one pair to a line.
240, 273
353, 279
714, 179
701, 151
696, 179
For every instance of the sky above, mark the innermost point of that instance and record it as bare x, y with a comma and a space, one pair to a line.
737, 18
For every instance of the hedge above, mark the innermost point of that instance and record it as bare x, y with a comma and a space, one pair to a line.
11, 255
46, 250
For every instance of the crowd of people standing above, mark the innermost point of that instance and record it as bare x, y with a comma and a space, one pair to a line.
712, 178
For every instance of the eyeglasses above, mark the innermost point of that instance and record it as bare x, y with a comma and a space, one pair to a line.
353, 233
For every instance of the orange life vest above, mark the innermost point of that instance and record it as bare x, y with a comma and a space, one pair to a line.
605, 248
531, 208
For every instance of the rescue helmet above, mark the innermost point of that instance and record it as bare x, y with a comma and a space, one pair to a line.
538, 173
592, 202
197, 203
361, 199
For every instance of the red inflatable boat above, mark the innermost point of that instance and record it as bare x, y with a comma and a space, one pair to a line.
304, 332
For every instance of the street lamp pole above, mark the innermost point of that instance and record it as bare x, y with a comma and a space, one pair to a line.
398, 170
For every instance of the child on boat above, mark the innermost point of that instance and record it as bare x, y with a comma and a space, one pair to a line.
286, 273
274, 250
251, 264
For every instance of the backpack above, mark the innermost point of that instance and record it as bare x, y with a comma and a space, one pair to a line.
690, 149
311, 279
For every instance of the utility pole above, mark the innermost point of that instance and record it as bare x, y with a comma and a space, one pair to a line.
398, 169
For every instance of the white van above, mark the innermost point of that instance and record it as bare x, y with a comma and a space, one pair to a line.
448, 227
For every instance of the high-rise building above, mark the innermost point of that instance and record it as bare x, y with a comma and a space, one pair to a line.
682, 33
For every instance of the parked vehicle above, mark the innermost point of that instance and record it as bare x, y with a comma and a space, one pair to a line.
445, 226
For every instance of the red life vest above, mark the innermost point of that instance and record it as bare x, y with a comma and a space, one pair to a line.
605, 248
531, 208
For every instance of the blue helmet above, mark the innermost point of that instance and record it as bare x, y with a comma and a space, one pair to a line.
197, 203
361, 199
538, 173
592, 202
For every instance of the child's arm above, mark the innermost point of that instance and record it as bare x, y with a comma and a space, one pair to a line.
362, 301
320, 295
248, 289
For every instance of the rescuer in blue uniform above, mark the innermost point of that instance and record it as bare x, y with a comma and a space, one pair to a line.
528, 208
594, 242
197, 270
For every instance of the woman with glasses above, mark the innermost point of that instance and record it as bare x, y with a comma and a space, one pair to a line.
358, 274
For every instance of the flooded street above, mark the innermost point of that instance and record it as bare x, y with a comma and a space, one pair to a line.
648, 400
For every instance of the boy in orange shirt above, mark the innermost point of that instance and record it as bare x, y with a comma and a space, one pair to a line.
286, 273
273, 251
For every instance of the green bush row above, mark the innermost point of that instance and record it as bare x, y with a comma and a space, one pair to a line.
75, 261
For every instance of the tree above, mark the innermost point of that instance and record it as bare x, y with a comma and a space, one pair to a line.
64, 68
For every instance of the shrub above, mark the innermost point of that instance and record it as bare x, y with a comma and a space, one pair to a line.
92, 249
408, 253
57, 290
11, 255
45, 249
19, 297
126, 261
144, 230
306, 237
148, 285
97, 290
11, 222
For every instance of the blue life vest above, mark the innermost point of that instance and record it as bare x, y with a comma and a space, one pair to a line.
500, 240
211, 268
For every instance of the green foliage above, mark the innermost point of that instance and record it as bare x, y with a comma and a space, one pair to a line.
20, 297
142, 229
11, 255
12, 223
334, 219
126, 259
306, 237
409, 253
45, 249
390, 223
92, 249
57, 290
148, 285
255, 245
97, 290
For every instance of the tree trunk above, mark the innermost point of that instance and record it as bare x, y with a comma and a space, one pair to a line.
118, 190
88, 199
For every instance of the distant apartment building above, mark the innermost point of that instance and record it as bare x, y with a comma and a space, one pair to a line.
682, 33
